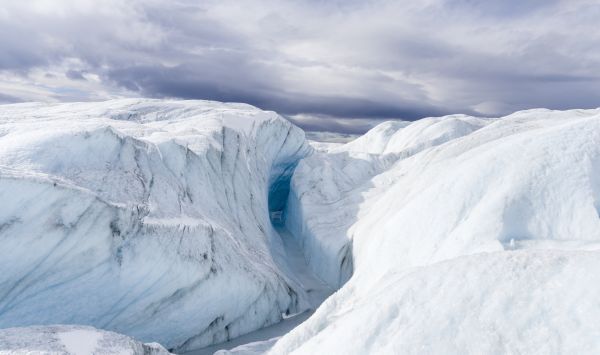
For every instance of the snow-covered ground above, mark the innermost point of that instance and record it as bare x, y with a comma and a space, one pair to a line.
330, 137
72, 340
452, 235
329, 187
466, 235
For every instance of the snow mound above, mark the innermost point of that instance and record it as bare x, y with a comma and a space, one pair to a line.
327, 187
468, 236
146, 217
517, 302
72, 340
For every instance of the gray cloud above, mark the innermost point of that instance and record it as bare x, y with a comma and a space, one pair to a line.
323, 59
74, 75
7, 99
324, 123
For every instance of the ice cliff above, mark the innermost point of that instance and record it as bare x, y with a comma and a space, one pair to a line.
145, 217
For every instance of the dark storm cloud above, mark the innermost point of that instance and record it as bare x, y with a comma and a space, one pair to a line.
319, 60
323, 123
237, 81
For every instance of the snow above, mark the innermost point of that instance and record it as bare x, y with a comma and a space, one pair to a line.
465, 235
519, 302
72, 340
330, 137
79, 341
145, 217
330, 184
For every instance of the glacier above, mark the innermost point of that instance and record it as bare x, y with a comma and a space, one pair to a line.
467, 236
145, 217
192, 223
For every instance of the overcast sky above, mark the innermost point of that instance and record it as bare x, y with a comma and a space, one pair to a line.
324, 61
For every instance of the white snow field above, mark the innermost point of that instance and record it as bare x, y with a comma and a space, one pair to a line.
448, 235
146, 217
466, 236
72, 340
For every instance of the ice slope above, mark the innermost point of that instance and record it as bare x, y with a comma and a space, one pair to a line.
518, 302
72, 340
146, 217
328, 186
469, 236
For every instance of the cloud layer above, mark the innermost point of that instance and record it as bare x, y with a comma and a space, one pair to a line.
326, 58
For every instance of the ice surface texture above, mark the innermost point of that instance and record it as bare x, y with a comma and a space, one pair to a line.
72, 340
466, 235
447, 235
145, 217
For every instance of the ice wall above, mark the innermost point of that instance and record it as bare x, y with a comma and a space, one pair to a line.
147, 217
